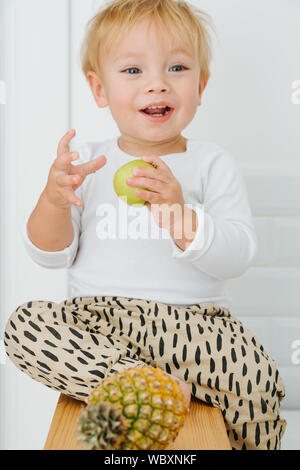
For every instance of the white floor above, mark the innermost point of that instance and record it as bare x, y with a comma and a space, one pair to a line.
291, 438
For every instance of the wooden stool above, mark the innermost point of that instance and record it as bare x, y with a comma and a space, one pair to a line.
204, 428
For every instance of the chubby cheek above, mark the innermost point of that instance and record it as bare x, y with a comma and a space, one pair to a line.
190, 100
122, 98
190, 93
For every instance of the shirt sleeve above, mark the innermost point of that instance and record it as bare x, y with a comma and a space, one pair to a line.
54, 259
225, 242
64, 258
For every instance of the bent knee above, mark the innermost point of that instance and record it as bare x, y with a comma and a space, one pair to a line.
18, 320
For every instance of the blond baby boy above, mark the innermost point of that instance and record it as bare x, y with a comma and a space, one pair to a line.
136, 301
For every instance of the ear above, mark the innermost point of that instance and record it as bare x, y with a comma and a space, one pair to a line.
202, 86
97, 89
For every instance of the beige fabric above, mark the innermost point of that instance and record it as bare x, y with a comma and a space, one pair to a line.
71, 346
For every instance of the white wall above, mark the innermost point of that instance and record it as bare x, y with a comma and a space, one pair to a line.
247, 109
36, 70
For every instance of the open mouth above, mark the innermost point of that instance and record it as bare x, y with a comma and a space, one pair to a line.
158, 112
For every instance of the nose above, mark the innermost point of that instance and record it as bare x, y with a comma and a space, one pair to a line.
157, 85
156, 90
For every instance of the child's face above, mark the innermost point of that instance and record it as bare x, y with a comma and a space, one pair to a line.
142, 71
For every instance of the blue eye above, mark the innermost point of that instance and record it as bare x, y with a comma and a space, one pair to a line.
178, 66
132, 68
135, 68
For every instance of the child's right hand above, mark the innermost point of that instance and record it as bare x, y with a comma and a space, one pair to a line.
64, 178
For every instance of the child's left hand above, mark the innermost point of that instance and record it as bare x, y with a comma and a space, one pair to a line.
165, 194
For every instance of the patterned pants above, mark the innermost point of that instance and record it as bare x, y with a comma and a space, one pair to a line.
71, 346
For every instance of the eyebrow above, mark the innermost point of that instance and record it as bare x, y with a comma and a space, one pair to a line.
136, 54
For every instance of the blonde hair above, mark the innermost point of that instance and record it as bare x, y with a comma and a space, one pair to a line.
110, 24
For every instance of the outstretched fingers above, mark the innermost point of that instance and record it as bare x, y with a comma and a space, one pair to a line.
92, 166
64, 143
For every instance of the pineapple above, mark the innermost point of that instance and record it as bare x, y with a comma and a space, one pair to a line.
138, 409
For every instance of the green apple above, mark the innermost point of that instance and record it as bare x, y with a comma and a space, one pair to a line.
120, 182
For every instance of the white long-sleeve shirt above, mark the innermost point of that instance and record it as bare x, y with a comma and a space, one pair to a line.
118, 249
